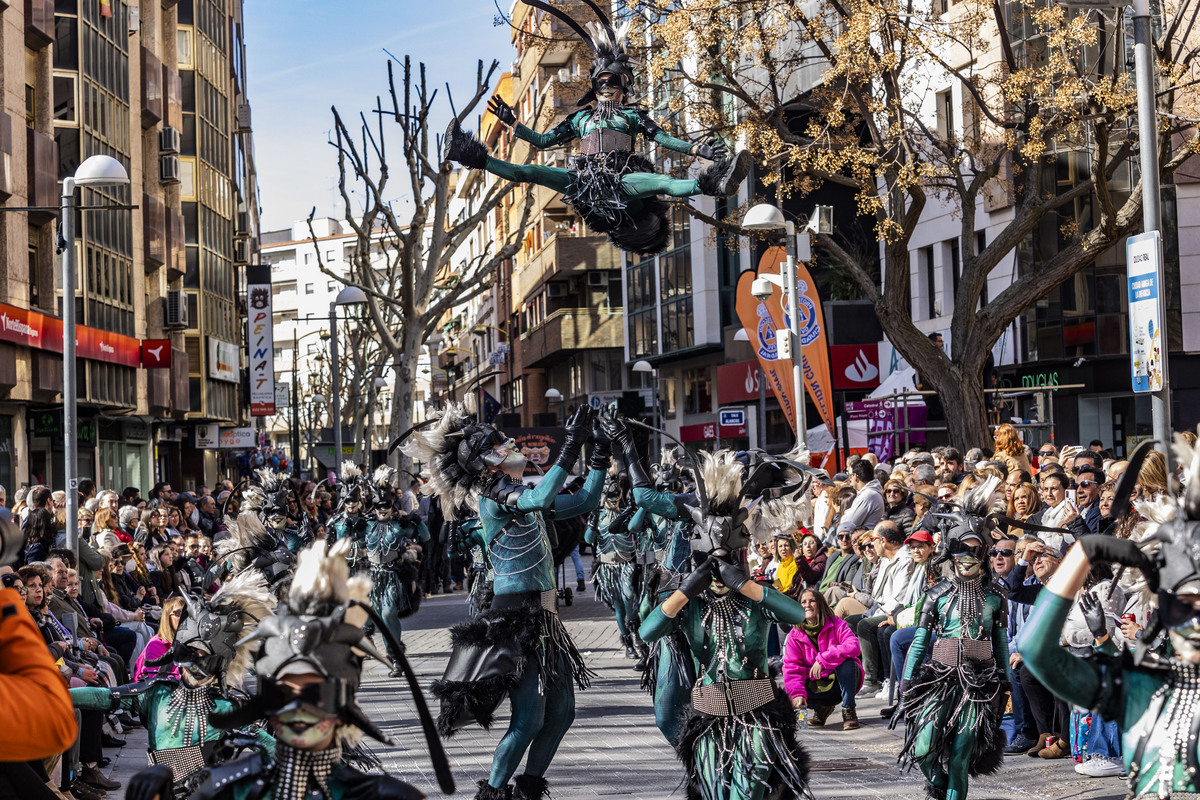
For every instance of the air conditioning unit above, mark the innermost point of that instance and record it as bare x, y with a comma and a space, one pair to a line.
243, 118
241, 251
556, 290
241, 228
168, 169
177, 311
597, 278
169, 140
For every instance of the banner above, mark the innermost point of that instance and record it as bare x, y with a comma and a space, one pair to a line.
260, 341
763, 320
35, 329
539, 445
222, 360
881, 417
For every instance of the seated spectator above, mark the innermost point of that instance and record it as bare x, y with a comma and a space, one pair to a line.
133, 593
856, 599
896, 508
166, 574
105, 530
160, 643
891, 593
1024, 504
810, 566
152, 528
785, 572
841, 569
127, 518
922, 495
867, 507
821, 666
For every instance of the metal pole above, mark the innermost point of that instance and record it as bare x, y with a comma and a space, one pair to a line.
1143, 61
337, 400
70, 424
789, 280
762, 410
295, 437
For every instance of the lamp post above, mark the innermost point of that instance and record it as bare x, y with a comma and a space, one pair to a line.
295, 437
94, 171
646, 367
555, 396
349, 296
314, 409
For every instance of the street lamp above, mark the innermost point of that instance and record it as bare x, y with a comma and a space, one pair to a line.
295, 437
555, 396
314, 409
95, 171
645, 367
349, 296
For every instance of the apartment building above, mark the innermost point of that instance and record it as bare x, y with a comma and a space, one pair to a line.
113, 78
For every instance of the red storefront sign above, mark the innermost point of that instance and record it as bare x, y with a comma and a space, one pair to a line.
738, 382
34, 329
156, 353
855, 366
705, 431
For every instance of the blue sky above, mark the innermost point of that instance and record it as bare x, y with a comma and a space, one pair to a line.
305, 56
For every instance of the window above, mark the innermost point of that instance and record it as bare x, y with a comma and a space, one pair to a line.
331, 286
308, 288
955, 266
330, 255
930, 282
307, 258
697, 391
945, 113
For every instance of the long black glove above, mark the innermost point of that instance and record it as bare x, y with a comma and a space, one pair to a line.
699, 579
713, 150
579, 428
150, 783
620, 523
1093, 614
379, 787
601, 455
502, 110
622, 438
731, 575
1102, 547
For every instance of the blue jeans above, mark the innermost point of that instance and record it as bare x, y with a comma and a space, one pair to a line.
847, 675
1021, 715
1104, 739
898, 646
578, 564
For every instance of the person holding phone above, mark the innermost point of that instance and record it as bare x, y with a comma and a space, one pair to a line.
1088, 484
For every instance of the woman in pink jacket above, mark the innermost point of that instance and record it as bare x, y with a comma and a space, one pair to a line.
822, 663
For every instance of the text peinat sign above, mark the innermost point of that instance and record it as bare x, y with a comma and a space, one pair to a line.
260, 340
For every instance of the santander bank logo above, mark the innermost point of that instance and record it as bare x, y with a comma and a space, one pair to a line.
862, 370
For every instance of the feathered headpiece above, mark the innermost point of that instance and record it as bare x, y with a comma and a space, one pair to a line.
608, 46
667, 472
210, 639
381, 485
458, 449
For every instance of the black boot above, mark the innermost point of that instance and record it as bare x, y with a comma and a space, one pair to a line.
466, 149
627, 640
531, 787
487, 792
723, 178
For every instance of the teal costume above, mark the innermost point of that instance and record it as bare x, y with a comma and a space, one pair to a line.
395, 592
613, 578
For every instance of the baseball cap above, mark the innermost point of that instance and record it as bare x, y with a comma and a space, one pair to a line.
920, 536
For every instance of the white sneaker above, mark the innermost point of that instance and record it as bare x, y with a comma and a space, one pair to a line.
1100, 767
887, 687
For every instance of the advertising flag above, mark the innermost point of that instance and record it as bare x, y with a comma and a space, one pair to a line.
764, 321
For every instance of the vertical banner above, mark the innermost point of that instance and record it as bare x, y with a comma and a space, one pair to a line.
1143, 255
763, 320
260, 340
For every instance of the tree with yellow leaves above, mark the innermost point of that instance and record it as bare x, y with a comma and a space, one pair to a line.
1041, 135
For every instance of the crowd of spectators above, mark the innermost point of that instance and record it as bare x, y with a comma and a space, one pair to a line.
862, 572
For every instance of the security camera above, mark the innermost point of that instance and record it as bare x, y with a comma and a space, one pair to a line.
761, 288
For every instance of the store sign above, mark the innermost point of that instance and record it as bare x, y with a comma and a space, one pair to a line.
739, 382
222, 360
156, 353
208, 436
49, 424
855, 366
1143, 257
703, 432
237, 439
34, 329
281, 396
260, 341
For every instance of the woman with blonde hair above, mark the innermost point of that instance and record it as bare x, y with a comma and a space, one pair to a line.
1024, 503
160, 643
104, 530
1010, 449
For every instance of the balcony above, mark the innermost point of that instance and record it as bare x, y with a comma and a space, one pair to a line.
42, 175
152, 89
572, 329
563, 254
154, 229
39, 23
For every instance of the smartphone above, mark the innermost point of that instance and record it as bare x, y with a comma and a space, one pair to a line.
1071, 496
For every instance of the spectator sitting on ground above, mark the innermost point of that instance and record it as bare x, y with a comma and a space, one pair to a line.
867, 508
821, 664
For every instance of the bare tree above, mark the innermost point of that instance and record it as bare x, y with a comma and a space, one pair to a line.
404, 264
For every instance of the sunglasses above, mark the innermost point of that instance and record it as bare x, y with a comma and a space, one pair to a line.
867, 545
1045, 554
1086, 484
895, 491
998, 551
842, 536
1045, 452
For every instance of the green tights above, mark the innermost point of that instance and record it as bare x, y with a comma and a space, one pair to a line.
637, 185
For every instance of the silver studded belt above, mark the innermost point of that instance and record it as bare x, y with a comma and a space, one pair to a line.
615, 558
183, 761
604, 140
731, 698
550, 600
952, 652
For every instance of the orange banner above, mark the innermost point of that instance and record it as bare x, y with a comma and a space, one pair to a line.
762, 320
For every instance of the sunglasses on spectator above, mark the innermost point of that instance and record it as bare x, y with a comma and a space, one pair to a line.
1084, 484
1000, 551
841, 536
894, 490
1045, 452
1045, 554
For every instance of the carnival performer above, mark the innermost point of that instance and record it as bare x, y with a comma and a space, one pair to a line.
309, 667
393, 567
1153, 697
953, 703
518, 646
737, 740
257, 538
611, 186
349, 520
212, 651
608, 533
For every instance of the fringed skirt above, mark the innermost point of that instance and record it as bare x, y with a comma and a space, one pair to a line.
726, 756
491, 653
678, 667
946, 701
596, 194
395, 588
610, 580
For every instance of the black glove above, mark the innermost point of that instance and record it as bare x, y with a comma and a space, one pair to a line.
378, 787
579, 428
1102, 547
622, 438
150, 783
601, 455
731, 575
617, 431
713, 150
620, 523
502, 110
698, 580
1093, 614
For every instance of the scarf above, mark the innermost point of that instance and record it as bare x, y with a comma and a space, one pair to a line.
296, 770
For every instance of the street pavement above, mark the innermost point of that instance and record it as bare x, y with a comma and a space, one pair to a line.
614, 749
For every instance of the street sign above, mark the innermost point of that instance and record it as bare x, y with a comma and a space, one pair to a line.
208, 436
281, 396
1143, 257
733, 417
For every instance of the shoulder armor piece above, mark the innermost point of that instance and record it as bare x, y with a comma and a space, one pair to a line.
503, 490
